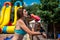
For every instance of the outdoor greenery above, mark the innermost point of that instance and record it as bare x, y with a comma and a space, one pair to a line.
48, 10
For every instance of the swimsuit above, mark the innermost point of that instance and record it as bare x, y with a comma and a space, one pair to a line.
21, 31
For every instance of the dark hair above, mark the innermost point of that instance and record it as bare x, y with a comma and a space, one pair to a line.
19, 13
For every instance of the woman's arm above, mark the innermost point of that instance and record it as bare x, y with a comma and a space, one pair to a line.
24, 27
44, 35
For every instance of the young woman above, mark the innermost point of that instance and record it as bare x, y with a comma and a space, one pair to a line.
21, 27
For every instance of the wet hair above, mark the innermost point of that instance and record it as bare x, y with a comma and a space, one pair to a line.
19, 13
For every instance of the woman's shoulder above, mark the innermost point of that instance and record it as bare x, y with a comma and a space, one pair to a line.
20, 21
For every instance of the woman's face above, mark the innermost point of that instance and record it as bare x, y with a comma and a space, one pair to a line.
25, 13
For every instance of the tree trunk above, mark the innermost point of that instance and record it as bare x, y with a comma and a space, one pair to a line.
54, 31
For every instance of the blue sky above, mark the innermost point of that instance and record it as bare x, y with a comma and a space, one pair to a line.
31, 2
2, 1
26, 2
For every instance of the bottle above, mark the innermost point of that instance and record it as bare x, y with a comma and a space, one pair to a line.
37, 18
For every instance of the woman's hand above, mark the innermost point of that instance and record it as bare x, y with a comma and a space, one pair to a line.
44, 35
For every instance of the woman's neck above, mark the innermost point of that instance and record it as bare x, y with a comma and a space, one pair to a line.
22, 17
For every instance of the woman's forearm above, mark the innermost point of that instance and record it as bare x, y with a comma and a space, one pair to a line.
25, 28
35, 33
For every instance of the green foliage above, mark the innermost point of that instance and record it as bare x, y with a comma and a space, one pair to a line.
13, 1
48, 10
57, 15
32, 9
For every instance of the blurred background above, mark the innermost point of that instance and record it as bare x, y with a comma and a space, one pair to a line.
47, 10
